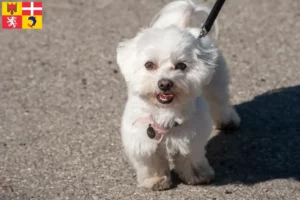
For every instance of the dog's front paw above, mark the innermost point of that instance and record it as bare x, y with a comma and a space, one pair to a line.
198, 175
157, 183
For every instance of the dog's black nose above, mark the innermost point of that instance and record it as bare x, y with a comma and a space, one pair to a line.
165, 84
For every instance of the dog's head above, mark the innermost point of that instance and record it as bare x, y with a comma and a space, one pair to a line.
166, 64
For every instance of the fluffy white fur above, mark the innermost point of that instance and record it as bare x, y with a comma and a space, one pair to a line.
201, 98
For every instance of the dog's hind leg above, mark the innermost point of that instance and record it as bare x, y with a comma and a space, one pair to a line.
217, 95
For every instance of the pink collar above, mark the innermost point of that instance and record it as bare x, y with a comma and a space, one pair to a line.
160, 131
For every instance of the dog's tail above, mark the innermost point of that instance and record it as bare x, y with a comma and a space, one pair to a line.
179, 13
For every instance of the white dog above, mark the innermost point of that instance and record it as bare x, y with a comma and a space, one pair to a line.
170, 75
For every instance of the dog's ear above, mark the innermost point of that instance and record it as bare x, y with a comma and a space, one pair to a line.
180, 13
208, 58
125, 57
176, 13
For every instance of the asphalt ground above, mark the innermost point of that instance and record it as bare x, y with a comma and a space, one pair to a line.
62, 96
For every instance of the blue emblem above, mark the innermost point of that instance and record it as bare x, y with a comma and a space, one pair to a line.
32, 18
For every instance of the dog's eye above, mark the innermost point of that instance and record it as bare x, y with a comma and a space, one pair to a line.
180, 66
149, 65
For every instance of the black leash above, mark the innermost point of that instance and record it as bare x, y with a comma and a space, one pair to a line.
211, 18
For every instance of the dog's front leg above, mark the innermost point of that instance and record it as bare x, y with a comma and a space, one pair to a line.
153, 171
194, 168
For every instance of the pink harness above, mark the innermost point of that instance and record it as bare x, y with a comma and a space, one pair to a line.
160, 132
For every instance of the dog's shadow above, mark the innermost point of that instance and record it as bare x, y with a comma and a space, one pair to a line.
267, 145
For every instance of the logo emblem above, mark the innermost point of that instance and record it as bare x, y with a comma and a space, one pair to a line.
11, 8
12, 21
22, 15
33, 19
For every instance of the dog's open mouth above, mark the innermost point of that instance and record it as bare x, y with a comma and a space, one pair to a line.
165, 97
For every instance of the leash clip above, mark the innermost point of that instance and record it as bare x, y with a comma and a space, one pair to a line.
211, 18
203, 32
